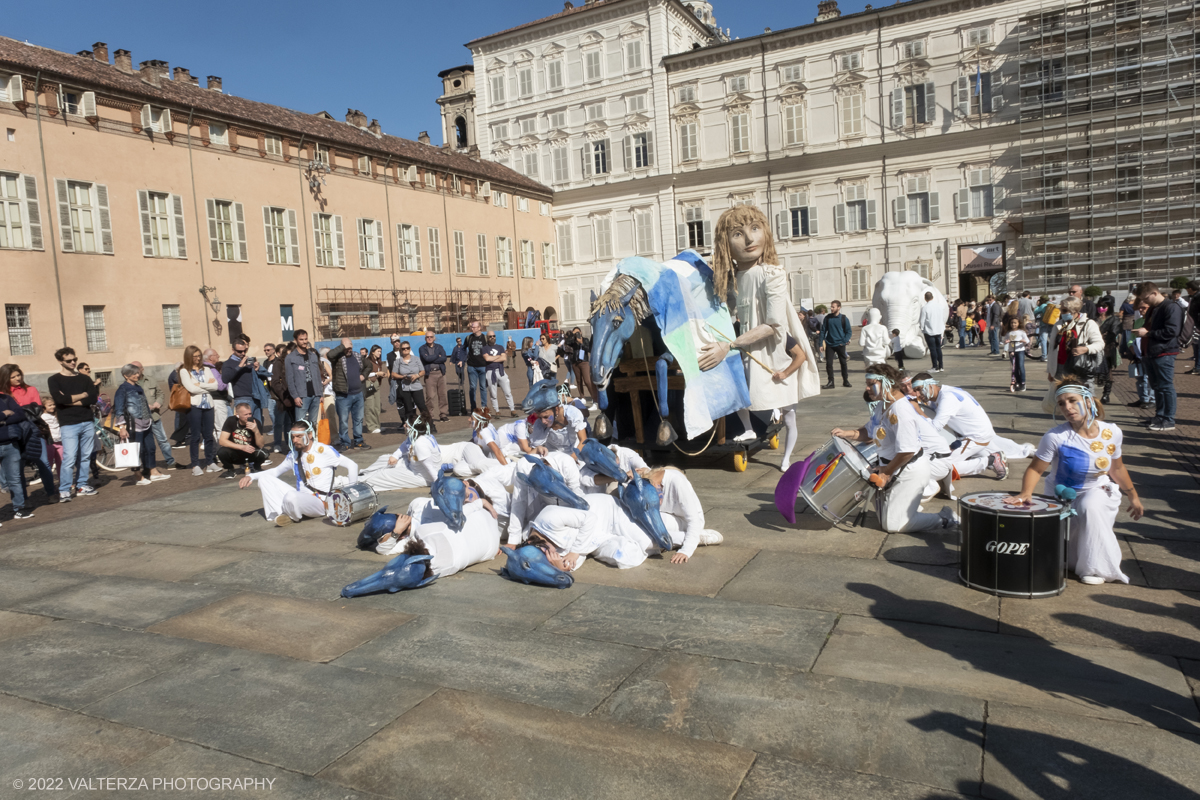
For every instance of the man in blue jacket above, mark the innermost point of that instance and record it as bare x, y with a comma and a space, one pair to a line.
240, 372
835, 335
348, 395
1160, 343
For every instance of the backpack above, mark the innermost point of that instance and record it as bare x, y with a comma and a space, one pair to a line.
1125, 345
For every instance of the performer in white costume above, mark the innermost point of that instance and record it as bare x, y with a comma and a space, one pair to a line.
501, 444
874, 339
426, 531
942, 469
630, 462
745, 263
526, 502
416, 463
604, 531
906, 468
1084, 454
312, 470
682, 513
956, 410
560, 429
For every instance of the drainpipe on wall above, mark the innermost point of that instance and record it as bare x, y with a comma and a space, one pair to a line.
37, 104
196, 216
387, 201
882, 140
312, 294
766, 123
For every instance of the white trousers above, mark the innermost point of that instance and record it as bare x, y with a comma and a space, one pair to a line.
1010, 449
1093, 548
499, 383
899, 508
383, 478
468, 458
284, 498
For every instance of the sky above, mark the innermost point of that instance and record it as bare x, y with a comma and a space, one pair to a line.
378, 57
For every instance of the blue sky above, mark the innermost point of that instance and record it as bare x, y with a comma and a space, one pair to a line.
381, 58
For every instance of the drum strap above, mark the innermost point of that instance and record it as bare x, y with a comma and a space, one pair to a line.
916, 456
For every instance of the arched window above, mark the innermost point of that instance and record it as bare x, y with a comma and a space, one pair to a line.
460, 130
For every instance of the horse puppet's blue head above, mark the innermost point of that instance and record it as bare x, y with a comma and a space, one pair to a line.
528, 564
449, 495
641, 499
549, 483
615, 315
405, 571
542, 395
380, 523
601, 459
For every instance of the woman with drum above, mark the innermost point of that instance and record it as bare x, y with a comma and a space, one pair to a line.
1084, 454
905, 469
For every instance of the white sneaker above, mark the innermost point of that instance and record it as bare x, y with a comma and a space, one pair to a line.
213, 467
283, 519
745, 436
949, 518
197, 471
143, 482
1092, 580
161, 477
709, 537
265, 464
377, 430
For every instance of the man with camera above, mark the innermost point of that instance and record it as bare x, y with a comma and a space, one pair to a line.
577, 349
240, 371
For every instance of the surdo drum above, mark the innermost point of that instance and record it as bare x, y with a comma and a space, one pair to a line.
349, 504
837, 479
1010, 550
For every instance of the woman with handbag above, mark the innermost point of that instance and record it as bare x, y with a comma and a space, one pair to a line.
201, 382
134, 420
374, 374
1076, 346
407, 371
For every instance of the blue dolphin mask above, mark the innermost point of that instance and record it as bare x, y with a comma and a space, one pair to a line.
550, 483
402, 572
379, 524
601, 459
449, 495
640, 498
542, 395
528, 564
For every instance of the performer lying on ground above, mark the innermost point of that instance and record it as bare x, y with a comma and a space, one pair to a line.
956, 410
682, 513
418, 461
526, 501
425, 530
559, 428
745, 264
312, 467
591, 480
1084, 454
508, 441
906, 467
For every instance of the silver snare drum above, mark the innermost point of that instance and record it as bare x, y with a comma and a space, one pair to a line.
349, 504
837, 480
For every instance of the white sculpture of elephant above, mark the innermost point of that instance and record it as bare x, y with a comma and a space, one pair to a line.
899, 296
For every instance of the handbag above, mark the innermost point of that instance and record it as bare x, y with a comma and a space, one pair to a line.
127, 455
180, 399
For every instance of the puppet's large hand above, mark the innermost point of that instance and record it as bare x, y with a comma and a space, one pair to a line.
713, 354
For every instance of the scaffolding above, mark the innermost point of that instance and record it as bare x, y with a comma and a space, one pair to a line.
361, 312
1108, 144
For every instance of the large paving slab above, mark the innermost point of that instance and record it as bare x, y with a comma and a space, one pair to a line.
527, 666
312, 537
267, 708
20, 584
40, 742
289, 575
13, 624
189, 765
157, 561
774, 778
477, 597
869, 587
1110, 615
1089, 681
457, 744
1169, 564
45, 551
1034, 754
189, 529
698, 625
847, 724
128, 602
307, 630
930, 547
73, 664
768, 530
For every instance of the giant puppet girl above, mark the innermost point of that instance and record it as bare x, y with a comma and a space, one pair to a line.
746, 270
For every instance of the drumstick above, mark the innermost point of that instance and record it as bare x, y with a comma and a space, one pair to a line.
752, 358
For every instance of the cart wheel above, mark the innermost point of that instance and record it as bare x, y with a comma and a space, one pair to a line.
773, 442
740, 460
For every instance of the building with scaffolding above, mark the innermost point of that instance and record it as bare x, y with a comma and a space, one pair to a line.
1108, 123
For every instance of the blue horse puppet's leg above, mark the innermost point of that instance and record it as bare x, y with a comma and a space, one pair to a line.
666, 434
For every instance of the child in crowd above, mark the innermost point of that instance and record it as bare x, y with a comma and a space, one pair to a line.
1016, 342
897, 348
54, 447
970, 329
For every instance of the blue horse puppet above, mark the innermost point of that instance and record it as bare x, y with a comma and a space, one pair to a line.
601, 459
549, 482
679, 295
542, 395
405, 571
640, 499
449, 495
380, 523
528, 564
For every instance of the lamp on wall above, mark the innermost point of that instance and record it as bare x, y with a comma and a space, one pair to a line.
214, 302
937, 254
